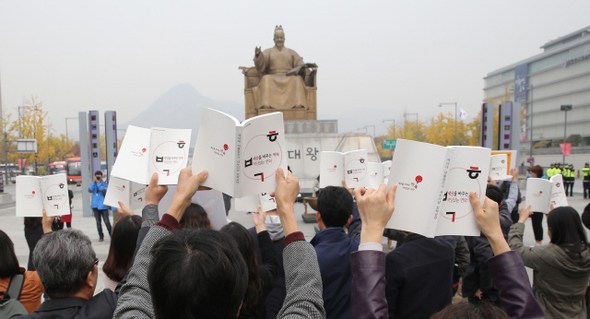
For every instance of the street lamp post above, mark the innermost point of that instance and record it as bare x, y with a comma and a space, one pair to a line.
565, 108
367, 127
406, 114
451, 103
531, 118
390, 120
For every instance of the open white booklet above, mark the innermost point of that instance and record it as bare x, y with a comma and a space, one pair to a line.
350, 166
146, 151
541, 193
378, 173
499, 167
433, 186
242, 159
558, 197
33, 193
131, 194
251, 203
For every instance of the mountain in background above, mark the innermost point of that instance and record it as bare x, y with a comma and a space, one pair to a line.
181, 107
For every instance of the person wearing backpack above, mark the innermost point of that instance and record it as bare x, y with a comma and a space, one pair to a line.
25, 286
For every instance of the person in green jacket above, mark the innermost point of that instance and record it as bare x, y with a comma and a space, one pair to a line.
550, 171
562, 268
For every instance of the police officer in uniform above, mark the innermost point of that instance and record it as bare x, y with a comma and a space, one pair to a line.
550, 171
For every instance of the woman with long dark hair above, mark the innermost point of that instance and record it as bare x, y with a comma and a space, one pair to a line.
32, 288
195, 217
260, 277
123, 241
562, 268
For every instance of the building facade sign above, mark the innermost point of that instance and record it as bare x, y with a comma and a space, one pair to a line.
521, 83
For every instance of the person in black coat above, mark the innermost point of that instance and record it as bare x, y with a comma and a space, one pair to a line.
419, 277
276, 296
260, 275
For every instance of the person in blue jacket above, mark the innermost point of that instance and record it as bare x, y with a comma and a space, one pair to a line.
98, 188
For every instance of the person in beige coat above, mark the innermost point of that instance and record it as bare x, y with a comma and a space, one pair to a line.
562, 268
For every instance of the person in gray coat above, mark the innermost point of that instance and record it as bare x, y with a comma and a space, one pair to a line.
200, 273
562, 268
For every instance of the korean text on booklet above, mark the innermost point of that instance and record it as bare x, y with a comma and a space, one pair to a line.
251, 203
131, 194
350, 166
378, 173
542, 193
33, 193
433, 186
146, 151
242, 159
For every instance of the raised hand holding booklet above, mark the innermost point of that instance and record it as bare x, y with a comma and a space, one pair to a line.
350, 166
33, 193
146, 151
433, 186
542, 193
131, 194
242, 159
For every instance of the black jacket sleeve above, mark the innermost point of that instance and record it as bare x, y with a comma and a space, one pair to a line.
270, 261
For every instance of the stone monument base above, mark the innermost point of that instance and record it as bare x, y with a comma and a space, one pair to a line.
307, 139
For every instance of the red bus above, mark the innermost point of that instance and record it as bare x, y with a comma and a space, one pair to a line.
74, 170
57, 167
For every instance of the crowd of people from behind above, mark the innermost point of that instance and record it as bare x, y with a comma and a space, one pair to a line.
177, 266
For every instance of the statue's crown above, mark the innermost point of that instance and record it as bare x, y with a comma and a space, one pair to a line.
278, 28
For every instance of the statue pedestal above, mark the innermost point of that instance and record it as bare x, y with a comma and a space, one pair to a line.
307, 139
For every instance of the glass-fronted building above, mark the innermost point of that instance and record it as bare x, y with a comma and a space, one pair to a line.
543, 83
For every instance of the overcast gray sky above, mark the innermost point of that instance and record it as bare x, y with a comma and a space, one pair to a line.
375, 58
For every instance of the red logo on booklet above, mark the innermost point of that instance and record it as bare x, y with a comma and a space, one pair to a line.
418, 179
143, 150
225, 147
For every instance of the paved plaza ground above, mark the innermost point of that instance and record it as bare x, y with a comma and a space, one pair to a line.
14, 227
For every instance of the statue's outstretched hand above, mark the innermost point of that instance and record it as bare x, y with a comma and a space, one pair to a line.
257, 51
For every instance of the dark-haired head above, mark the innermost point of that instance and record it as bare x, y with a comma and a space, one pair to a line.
495, 193
566, 231
335, 206
197, 274
8, 261
467, 310
123, 241
33, 222
195, 217
537, 171
248, 251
